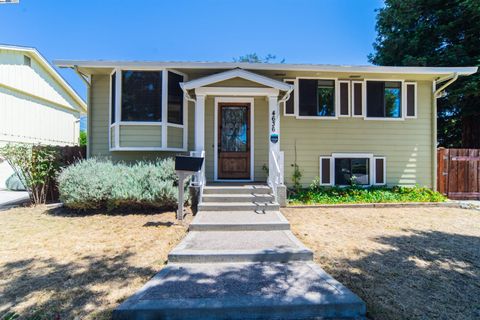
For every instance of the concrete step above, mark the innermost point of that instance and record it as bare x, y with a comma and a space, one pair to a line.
237, 291
239, 220
256, 197
239, 206
239, 246
244, 189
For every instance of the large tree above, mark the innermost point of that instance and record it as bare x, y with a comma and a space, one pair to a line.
437, 33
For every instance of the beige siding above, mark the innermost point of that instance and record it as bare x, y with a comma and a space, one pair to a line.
175, 137
407, 144
141, 136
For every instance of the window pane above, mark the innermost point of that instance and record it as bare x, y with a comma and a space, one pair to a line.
316, 97
175, 98
141, 96
326, 98
393, 100
352, 171
360, 171
375, 91
112, 98
384, 99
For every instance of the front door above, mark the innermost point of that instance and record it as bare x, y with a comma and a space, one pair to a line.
234, 141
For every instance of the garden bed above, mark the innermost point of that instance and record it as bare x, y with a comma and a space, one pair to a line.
358, 195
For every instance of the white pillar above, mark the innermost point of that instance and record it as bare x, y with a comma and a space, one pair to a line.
199, 123
273, 132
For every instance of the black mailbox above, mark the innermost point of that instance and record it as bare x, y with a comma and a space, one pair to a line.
184, 163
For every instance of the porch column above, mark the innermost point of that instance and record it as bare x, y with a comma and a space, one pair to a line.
199, 124
273, 136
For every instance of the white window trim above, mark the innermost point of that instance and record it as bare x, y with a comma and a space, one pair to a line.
353, 99
403, 105
349, 99
384, 171
294, 93
415, 100
252, 136
297, 99
331, 171
164, 123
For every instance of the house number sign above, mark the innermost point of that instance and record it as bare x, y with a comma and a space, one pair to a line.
273, 136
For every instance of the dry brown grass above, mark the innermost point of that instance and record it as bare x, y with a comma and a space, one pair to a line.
60, 266
405, 263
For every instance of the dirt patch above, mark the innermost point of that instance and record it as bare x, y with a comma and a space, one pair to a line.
405, 263
61, 266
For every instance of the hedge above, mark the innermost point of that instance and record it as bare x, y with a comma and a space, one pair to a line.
102, 184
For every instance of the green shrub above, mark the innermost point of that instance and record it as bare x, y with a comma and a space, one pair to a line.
96, 184
36, 167
335, 195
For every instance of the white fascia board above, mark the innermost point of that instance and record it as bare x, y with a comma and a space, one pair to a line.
236, 73
267, 66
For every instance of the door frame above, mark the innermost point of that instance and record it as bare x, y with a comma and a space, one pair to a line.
219, 100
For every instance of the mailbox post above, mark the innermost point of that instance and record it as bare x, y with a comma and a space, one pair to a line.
185, 167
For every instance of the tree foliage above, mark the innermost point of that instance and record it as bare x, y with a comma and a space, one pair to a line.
255, 58
82, 139
437, 33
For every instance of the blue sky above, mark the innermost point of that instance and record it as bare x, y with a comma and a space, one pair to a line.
316, 31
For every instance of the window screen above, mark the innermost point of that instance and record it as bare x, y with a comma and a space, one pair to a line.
289, 104
384, 99
317, 97
350, 171
142, 96
325, 170
379, 170
175, 98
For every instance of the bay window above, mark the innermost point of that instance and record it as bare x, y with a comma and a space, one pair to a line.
147, 111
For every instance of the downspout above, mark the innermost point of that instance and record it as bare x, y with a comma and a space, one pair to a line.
438, 93
81, 75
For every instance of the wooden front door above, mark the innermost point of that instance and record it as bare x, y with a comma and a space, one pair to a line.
234, 141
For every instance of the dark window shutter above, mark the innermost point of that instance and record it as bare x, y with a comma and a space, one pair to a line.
307, 97
380, 171
357, 99
344, 97
325, 178
411, 100
375, 97
289, 104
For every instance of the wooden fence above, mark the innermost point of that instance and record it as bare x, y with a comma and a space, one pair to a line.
458, 173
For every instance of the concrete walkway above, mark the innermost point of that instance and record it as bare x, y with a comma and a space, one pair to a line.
241, 265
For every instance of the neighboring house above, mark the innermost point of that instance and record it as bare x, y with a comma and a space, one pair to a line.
374, 125
37, 105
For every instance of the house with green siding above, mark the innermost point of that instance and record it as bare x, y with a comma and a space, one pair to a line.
255, 122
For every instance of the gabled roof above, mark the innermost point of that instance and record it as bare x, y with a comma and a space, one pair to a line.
236, 73
35, 54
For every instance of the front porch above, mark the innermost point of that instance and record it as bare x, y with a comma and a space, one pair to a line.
237, 127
